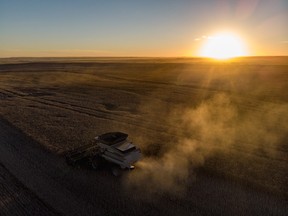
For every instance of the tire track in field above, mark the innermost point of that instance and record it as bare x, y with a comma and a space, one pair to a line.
79, 109
41, 172
16, 199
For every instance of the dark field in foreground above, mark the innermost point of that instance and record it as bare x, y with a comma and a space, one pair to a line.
214, 134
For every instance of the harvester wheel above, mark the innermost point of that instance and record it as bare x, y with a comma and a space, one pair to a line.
70, 162
96, 163
116, 171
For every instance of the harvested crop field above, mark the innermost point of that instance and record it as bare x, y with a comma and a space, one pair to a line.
214, 135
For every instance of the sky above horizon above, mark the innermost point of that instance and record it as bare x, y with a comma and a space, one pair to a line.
164, 28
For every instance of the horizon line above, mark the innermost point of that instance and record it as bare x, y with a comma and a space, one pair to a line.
203, 57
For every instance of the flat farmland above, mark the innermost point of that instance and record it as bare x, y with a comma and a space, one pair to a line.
214, 134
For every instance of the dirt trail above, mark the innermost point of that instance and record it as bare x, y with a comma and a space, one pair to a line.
51, 187
40, 171
16, 199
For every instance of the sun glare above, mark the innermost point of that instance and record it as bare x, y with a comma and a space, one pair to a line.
223, 46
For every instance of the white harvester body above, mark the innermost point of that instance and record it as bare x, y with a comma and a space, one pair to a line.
113, 147
120, 151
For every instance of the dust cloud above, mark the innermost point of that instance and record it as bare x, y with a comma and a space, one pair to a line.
217, 124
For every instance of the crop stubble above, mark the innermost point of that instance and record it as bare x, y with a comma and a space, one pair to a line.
63, 105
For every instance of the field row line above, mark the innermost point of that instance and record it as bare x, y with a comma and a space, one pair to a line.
74, 108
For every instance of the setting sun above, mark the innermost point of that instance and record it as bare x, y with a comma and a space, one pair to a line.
223, 46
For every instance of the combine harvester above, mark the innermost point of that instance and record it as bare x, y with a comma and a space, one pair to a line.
113, 147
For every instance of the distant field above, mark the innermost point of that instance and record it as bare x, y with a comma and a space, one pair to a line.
224, 119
